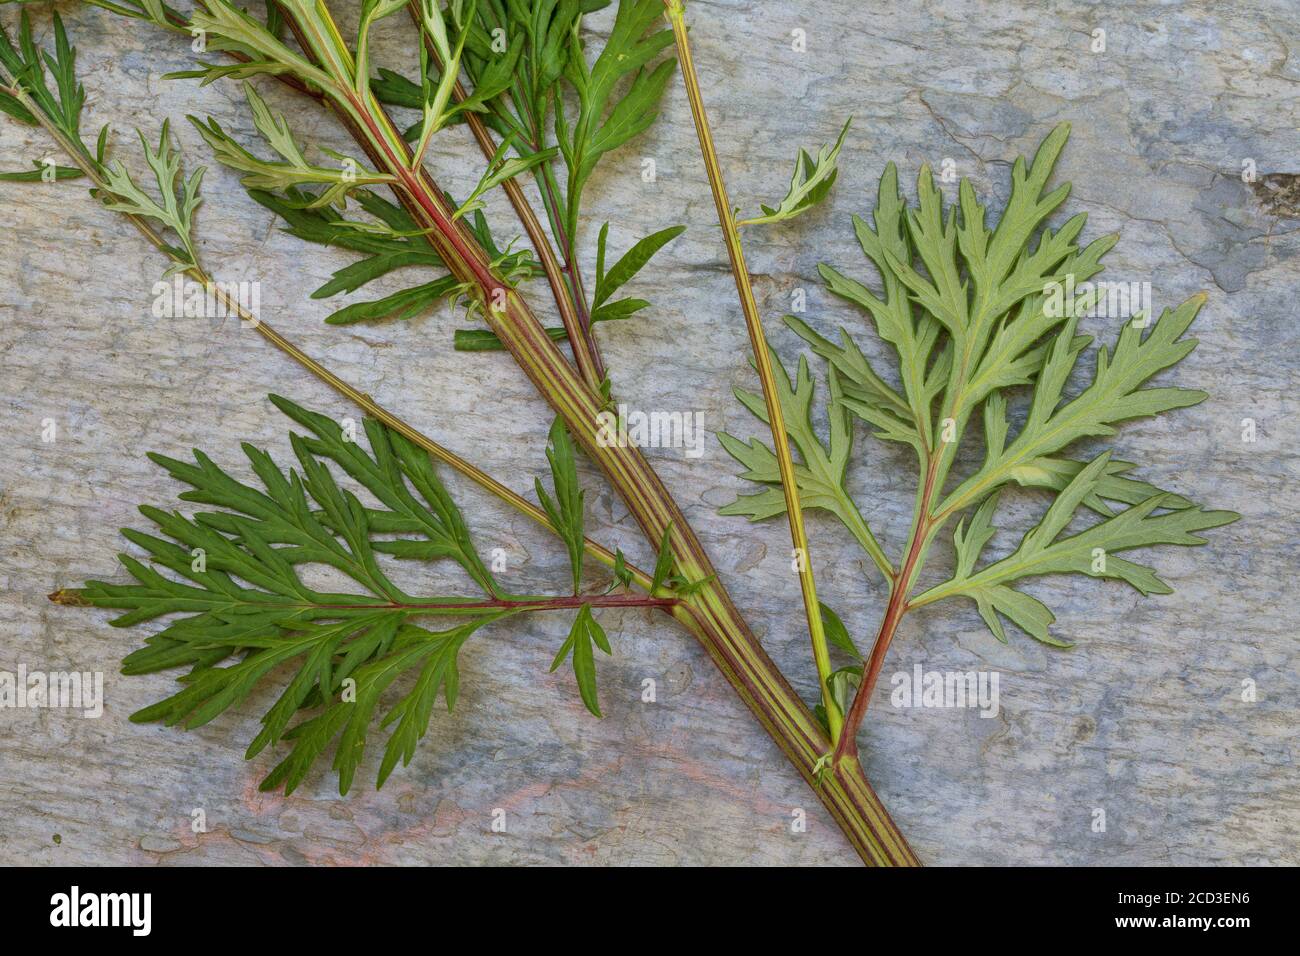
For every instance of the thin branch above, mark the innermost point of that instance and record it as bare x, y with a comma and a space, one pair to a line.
763, 362
923, 529
513, 604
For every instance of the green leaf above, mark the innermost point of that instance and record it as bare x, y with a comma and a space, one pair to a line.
396, 461
27, 64
229, 581
604, 122
384, 253
566, 509
430, 656
866, 394
435, 108
971, 310
393, 89
663, 561
615, 97
607, 283
295, 171
500, 168
622, 574
618, 310
11, 106
843, 684
494, 78
914, 336
584, 632
413, 712
177, 200
837, 633
399, 306
372, 11
1091, 552
483, 340
683, 588
1115, 394
229, 29
810, 184
40, 174
1113, 486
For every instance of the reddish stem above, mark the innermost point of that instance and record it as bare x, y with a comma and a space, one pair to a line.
848, 745
894, 611
516, 604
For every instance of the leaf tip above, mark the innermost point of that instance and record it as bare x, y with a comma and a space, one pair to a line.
69, 597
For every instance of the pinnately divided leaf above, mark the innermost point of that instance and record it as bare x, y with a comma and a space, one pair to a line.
61, 108
1115, 394
177, 200
233, 589
972, 312
294, 171
1091, 552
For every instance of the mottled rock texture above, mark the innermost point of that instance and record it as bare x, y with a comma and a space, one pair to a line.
1143, 719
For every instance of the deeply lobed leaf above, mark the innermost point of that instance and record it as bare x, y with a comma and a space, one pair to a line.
971, 312
236, 588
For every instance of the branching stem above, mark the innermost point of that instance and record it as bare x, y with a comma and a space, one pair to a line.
368, 404
708, 612
568, 298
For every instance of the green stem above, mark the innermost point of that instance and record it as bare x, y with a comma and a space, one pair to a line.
763, 362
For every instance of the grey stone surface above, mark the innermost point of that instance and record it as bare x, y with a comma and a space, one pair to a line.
1143, 719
